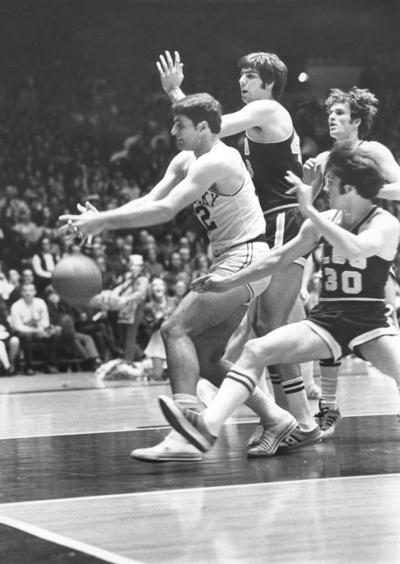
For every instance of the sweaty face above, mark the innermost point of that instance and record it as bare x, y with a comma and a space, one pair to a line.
341, 126
185, 132
251, 85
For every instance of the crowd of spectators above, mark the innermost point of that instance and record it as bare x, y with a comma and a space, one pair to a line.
96, 128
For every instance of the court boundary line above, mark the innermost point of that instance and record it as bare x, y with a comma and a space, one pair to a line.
202, 488
68, 542
239, 421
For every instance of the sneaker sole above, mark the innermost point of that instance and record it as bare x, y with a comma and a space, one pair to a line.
178, 421
162, 458
290, 427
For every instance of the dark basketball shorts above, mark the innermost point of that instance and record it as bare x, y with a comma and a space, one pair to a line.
344, 326
283, 224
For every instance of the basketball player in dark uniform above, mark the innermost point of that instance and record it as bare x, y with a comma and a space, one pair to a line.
350, 118
271, 147
360, 242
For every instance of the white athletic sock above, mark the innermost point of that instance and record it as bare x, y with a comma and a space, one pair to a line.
234, 391
279, 392
329, 380
298, 403
264, 406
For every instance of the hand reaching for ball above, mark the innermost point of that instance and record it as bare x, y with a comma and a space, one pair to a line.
85, 225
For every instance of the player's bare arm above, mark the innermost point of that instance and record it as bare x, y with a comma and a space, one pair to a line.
204, 172
371, 241
280, 258
390, 169
267, 120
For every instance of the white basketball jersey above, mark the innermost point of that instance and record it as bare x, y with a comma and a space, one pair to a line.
231, 219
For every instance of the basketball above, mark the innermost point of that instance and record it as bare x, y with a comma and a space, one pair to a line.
77, 278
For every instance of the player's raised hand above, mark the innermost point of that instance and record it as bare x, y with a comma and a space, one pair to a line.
171, 71
311, 170
211, 283
304, 192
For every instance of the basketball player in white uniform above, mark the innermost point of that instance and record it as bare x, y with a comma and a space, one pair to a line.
211, 176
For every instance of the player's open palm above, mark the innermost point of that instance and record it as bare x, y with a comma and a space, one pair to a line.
171, 71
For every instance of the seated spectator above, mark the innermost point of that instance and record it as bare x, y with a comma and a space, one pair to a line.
152, 265
27, 277
27, 233
30, 320
6, 287
175, 267
186, 258
43, 264
94, 322
158, 308
127, 298
201, 265
61, 319
180, 289
108, 277
9, 343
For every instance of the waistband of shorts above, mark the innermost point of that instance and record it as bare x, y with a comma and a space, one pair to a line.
281, 208
262, 238
351, 300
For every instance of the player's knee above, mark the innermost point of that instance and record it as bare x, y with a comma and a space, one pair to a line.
254, 352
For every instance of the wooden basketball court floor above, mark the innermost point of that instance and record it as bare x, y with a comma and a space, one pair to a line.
71, 493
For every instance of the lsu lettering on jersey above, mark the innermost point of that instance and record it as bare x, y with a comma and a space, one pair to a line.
359, 279
231, 219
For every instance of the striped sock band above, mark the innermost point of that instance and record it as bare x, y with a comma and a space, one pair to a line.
298, 403
279, 392
242, 377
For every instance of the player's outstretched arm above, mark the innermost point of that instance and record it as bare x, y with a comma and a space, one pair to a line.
260, 113
369, 242
202, 175
390, 191
171, 75
303, 243
389, 168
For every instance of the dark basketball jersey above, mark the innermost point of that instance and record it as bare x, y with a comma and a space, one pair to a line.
267, 164
358, 279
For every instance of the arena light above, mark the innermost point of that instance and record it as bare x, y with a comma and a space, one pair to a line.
303, 77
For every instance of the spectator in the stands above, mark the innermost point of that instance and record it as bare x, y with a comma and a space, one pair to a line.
9, 343
30, 320
156, 310
27, 277
71, 340
152, 265
43, 264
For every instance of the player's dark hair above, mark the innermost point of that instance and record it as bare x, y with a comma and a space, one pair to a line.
363, 105
356, 168
270, 68
200, 107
